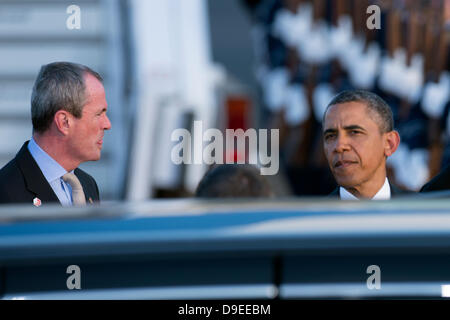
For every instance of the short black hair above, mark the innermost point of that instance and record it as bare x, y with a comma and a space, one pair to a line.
373, 102
233, 181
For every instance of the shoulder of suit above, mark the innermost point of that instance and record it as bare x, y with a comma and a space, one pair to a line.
13, 170
9, 171
12, 182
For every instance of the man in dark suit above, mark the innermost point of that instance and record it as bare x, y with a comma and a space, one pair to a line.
68, 110
358, 136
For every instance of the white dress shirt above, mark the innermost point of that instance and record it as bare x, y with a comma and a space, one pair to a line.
53, 173
383, 194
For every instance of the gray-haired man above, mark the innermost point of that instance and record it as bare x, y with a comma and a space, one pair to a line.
68, 110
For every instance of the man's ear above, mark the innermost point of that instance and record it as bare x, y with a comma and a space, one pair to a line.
62, 121
392, 141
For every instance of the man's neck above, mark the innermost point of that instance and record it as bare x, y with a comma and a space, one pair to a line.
367, 190
56, 149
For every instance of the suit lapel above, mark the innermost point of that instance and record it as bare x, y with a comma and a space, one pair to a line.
35, 181
335, 193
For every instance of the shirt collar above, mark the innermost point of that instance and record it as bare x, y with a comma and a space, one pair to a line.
51, 169
383, 194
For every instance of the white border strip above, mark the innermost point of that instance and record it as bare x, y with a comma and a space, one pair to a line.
357, 290
258, 291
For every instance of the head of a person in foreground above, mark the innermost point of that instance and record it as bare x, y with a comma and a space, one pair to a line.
233, 181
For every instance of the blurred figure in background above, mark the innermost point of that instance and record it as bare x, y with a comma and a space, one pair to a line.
439, 182
359, 135
68, 110
233, 181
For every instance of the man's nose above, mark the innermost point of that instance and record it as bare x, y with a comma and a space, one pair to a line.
107, 124
341, 144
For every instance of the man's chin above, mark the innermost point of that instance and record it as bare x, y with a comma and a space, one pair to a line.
346, 183
95, 157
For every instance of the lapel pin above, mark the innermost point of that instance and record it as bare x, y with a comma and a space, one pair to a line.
37, 202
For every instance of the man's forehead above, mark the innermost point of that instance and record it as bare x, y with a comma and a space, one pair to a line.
352, 112
95, 98
92, 82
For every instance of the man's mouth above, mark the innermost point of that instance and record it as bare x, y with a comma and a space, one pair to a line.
344, 163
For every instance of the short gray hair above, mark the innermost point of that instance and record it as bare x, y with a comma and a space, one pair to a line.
58, 86
373, 102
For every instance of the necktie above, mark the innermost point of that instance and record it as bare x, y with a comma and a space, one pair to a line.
77, 190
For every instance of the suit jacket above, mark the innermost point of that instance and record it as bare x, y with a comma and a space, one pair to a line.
21, 180
395, 191
439, 182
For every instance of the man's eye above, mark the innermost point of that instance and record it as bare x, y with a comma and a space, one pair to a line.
329, 136
355, 132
